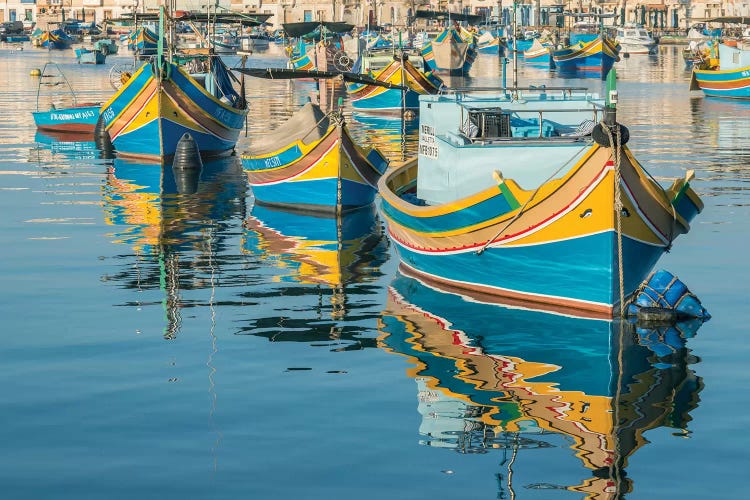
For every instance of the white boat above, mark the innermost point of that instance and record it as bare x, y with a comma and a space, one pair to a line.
634, 39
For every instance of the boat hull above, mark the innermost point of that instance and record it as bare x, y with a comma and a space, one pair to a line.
331, 174
563, 250
78, 119
377, 99
731, 84
595, 58
147, 117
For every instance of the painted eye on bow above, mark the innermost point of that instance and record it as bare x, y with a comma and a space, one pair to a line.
586, 213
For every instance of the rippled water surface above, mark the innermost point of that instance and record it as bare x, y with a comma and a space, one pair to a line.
159, 345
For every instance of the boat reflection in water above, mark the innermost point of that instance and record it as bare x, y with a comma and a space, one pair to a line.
335, 256
177, 224
74, 146
396, 138
579, 391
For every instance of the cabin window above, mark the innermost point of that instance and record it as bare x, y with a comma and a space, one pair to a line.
735, 57
486, 123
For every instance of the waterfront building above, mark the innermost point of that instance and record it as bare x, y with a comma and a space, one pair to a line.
662, 14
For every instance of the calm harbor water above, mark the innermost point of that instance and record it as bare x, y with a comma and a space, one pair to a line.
166, 345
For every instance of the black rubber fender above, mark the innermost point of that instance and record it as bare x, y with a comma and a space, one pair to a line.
600, 135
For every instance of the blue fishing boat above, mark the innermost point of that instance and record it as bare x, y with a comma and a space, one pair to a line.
539, 54
452, 52
730, 78
504, 379
311, 162
593, 58
90, 56
524, 183
161, 102
60, 112
55, 39
400, 71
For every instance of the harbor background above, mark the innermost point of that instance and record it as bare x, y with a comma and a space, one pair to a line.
157, 347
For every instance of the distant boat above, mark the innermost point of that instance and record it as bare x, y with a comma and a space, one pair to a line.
70, 116
487, 43
310, 162
634, 39
90, 56
595, 57
452, 52
400, 71
55, 39
539, 54
731, 79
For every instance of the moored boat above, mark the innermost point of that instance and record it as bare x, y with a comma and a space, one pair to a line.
62, 113
539, 54
400, 71
311, 162
634, 39
90, 56
149, 114
504, 185
730, 79
595, 57
452, 52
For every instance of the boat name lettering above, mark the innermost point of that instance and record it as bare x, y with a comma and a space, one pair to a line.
108, 114
76, 115
273, 162
427, 144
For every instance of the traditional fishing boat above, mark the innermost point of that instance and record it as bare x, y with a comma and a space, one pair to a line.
487, 43
539, 54
161, 102
581, 393
55, 39
63, 113
730, 79
502, 183
595, 57
311, 162
452, 52
318, 46
401, 71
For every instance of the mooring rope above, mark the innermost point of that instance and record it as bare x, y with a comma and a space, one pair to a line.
617, 158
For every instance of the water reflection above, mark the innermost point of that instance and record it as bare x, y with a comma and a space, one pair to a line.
511, 379
72, 146
176, 239
396, 138
331, 257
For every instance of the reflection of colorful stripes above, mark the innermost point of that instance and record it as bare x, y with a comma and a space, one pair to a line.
734, 83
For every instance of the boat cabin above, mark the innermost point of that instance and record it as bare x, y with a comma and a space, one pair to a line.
465, 138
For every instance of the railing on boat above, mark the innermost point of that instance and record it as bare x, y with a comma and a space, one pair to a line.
493, 124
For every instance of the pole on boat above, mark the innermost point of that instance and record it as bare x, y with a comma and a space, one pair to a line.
610, 107
515, 47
